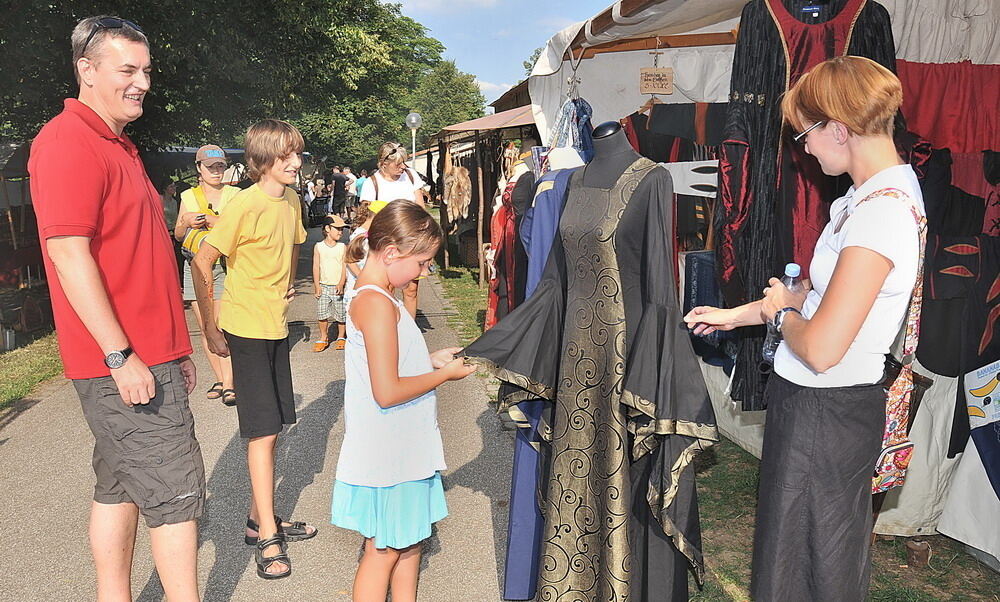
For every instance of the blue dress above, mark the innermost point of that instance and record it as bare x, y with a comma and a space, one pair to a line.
525, 522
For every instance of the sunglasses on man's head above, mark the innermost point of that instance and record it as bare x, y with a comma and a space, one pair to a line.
109, 23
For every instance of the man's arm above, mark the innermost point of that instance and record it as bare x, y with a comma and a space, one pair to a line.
81, 282
201, 274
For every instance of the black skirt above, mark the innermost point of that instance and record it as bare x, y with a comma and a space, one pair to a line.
814, 512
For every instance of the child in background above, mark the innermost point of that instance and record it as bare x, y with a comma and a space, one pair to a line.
329, 279
357, 250
388, 485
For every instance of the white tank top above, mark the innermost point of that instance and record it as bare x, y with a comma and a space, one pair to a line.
387, 446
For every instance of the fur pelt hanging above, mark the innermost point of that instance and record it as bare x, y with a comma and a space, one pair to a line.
457, 193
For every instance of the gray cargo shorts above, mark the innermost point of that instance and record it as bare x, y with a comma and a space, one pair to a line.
146, 454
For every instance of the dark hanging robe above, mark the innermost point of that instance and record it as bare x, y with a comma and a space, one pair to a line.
773, 200
601, 338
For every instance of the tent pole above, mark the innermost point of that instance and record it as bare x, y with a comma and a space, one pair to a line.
10, 212
479, 218
443, 212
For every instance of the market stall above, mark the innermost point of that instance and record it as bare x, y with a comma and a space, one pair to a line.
947, 55
471, 162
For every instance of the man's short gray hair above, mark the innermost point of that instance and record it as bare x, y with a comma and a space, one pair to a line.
83, 30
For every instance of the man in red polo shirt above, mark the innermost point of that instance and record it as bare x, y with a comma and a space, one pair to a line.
119, 316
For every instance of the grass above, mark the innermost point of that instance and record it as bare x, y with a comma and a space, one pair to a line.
22, 369
468, 302
727, 497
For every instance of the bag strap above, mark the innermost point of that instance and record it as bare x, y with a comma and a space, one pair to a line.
199, 196
911, 326
374, 180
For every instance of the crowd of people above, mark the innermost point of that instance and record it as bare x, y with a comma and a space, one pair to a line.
119, 282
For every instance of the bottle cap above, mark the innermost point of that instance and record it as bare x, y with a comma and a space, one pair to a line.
793, 270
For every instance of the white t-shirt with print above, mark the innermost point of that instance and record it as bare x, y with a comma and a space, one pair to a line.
885, 225
403, 188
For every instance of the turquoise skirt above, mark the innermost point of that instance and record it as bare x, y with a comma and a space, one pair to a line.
396, 517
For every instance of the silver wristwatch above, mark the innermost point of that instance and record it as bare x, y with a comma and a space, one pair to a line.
117, 359
779, 318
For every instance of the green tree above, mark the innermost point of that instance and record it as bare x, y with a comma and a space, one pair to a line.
446, 96
218, 67
530, 63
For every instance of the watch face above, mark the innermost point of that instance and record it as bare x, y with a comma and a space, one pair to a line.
115, 359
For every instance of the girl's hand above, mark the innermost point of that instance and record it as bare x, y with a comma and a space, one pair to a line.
704, 320
440, 359
777, 297
457, 369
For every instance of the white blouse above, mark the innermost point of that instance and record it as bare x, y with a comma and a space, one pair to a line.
885, 225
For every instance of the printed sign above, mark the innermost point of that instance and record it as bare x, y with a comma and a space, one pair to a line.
982, 395
656, 80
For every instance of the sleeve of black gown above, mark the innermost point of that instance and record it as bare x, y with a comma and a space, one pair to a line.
670, 412
524, 348
735, 192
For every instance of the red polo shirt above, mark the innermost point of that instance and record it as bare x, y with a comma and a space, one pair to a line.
88, 181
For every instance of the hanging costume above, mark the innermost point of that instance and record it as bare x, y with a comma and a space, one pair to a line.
601, 338
539, 228
773, 197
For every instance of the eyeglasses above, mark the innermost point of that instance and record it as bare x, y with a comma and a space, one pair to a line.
109, 23
800, 138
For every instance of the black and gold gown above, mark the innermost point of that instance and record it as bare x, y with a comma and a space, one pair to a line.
602, 339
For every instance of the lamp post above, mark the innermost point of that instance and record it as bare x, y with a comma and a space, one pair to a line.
414, 121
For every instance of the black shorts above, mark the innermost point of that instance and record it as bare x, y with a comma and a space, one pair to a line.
146, 454
262, 377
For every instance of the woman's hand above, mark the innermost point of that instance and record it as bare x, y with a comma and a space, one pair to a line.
704, 320
193, 219
440, 359
777, 297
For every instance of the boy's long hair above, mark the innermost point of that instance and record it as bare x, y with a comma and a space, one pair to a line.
404, 224
270, 140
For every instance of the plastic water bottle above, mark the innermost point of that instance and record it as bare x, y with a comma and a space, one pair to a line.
793, 283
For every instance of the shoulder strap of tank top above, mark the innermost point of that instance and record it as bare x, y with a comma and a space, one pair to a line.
911, 327
372, 287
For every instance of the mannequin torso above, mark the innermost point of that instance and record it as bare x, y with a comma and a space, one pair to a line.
612, 155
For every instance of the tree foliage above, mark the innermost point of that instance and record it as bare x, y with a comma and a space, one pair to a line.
446, 96
345, 71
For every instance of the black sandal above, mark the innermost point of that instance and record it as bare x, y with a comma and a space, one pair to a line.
294, 531
265, 562
215, 391
229, 397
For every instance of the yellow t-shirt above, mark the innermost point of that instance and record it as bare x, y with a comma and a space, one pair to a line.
256, 233
189, 203
331, 262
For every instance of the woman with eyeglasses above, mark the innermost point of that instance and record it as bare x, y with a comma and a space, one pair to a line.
393, 181
826, 401
199, 210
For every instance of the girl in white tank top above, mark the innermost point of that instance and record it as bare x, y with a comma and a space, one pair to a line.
388, 485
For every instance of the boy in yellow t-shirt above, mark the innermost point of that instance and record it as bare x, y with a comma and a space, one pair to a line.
259, 233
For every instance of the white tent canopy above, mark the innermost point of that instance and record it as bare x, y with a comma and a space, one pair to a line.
609, 82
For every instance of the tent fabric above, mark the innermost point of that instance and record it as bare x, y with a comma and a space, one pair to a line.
946, 31
518, 117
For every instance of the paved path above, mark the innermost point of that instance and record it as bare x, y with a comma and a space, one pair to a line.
45, 450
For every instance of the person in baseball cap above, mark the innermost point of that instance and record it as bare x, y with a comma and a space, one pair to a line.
210, 155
